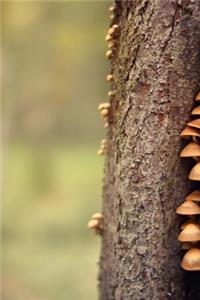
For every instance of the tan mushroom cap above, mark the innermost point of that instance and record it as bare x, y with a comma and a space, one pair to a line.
196, 111
197, 97
195, 196
108, 38
195, 172
97, 216
186, 246
191, 260
109, 53
191, 221
93, 224
195, 123
188, 208
189, 131
109, 77
105, 105
190, 233
192, 149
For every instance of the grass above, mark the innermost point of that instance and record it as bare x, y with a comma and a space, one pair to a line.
49, 195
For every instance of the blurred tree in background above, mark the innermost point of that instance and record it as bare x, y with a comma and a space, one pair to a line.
53, 78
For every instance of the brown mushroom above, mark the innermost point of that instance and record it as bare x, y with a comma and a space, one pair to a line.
111, 93
190, 221
195, 196
109, 54
105, 105
93, 224
195, 123
190, 233
109, 77
97, 216
191, 260
108, 38
195, 172
196, 111
188, 208
197, 97
189, 131
192, 149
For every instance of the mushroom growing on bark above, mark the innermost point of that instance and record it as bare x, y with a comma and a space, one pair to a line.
191, 260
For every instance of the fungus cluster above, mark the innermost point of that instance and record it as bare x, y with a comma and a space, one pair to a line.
96, 222
190, 230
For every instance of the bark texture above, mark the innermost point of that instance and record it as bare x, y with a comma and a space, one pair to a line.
156, 77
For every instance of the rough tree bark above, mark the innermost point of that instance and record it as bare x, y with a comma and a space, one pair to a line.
156, 76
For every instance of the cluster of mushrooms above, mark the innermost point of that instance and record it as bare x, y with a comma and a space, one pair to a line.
96, 221
190, 230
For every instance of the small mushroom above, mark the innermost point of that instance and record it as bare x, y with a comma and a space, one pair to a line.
93, 224
190, 233
191, 260
104, 112
109, 54
109, 77
195, 123
111, 93
197, 97
97, 216
108, 38
112, 8
195, 172
105, 105
195, 196
196, 111
192, 149
189, 131
190, 221
188, 208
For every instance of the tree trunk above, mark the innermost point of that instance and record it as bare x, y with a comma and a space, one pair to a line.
156, 73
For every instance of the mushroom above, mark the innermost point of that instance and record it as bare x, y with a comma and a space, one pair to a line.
111, 93
104, 112
97, 216
112, 8
190, 233
195, 196
188, 208
195, 172
196, 111
188, 132
108, 38
195, 123
102, 106
197, 97
190, 221
109, 77
109, 54
93, 224
192, 149
191, 260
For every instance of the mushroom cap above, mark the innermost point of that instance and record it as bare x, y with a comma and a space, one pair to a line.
108, 38
103, 142
195, 123
191, 221
111, 93
104, 112
97, 216
195, 172
189, 131
196, 111
105, 105
109, 53
195, 196
186, 246
190, 233
109, 77
192, 149
93, 224
197, 97
188, 208
191, 260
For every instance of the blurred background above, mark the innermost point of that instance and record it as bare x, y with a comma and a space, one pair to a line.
53, 57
